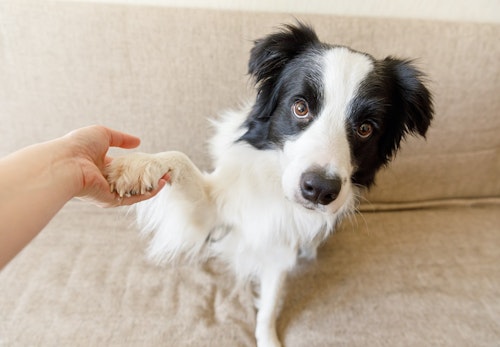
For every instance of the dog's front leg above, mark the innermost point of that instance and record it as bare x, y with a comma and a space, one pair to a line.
271, 285
180, 217
138, 173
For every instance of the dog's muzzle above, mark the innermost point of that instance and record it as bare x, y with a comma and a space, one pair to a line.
319, 188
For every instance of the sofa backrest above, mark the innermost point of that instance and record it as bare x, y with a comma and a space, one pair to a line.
162, 72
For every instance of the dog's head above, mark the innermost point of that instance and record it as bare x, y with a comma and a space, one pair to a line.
336, 115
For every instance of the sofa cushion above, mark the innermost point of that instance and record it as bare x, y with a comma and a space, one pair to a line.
411, 278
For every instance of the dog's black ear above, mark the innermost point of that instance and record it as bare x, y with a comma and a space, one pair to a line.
268, 58
411, 102
271, 53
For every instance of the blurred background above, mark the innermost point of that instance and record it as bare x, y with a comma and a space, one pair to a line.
455, 10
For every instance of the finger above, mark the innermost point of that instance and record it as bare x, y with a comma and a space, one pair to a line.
166, 178
107, 160
122, 140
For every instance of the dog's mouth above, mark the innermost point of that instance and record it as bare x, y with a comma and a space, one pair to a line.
308, 205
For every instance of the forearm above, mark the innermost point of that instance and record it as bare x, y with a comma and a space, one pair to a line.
35, 183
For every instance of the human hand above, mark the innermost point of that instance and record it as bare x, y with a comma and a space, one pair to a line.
88, 148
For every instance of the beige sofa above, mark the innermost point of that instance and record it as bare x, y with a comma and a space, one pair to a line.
419, 267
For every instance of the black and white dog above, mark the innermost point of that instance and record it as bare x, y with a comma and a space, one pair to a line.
288, 167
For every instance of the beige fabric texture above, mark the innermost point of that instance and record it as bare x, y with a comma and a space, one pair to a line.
161, 72
423, 270
405, 278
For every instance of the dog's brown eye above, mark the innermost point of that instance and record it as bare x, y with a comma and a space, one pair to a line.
300, 109
365, 130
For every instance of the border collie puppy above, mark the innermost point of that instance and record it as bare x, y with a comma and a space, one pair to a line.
288, 166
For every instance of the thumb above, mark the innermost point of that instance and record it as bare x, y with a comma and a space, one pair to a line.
122, 140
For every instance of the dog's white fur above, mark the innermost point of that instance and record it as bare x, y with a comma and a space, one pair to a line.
249, 211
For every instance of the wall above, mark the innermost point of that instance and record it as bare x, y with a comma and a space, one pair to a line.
455, 10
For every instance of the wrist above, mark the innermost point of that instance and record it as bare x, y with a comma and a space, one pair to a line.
66, 166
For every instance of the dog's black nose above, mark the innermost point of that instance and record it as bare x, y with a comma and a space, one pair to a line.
318, 188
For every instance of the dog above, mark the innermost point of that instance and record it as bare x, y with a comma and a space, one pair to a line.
288, 166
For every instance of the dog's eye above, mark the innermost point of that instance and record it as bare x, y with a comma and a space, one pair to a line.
365, 130
300, 109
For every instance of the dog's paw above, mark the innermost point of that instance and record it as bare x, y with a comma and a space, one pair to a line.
134, 174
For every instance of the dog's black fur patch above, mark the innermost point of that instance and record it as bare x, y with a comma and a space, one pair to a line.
285, 67
395, 101
282, 67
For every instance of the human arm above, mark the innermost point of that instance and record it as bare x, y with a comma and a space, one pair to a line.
37, 181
